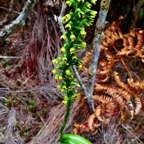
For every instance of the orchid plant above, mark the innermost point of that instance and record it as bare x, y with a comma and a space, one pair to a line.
79, 17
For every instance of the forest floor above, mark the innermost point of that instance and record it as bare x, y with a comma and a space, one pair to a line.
28, 93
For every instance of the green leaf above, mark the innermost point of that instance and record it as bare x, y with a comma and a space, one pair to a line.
74, 139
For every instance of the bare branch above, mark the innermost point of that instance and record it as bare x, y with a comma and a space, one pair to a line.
18, 21
60, 17
100, 24
8, 15
9, 57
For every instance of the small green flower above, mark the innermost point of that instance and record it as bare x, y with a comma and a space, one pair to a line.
65, 99
62, 90
64, 36
72, 50
64, 59
68, 72
66, 18
54, 71
59, 86
93, 1
60, 77
80, 1
80, 66
55, 61
89, 5
72, 37
83, 44
79, 12
93, 13
63, 49
56, 77
68, 26
69, 2
83, 33
74, 58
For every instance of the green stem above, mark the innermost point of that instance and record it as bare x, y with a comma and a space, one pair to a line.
66, 117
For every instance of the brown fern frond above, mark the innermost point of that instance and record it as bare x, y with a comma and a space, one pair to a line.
122, 85
86, 60
111, 91
102, 98
136, 84
138, 105
121, 96
81, 127
92, 124
98, 111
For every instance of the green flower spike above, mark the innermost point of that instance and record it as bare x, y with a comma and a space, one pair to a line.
72, 37
75, 22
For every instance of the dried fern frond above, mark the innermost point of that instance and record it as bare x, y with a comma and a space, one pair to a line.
138, 105
81, 127
111, 91
102, 98
121, 96
86, 60
136, 84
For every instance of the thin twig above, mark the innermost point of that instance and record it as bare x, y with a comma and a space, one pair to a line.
80, 81
7, 17
9, 57
100, 24
60, 17
16, 12
18, 21
132, 134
